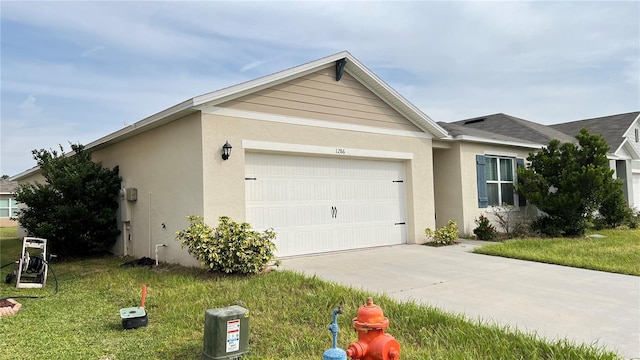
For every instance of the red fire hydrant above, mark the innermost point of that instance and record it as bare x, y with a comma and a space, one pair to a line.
373, 343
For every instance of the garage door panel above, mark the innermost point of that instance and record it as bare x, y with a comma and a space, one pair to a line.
319, 204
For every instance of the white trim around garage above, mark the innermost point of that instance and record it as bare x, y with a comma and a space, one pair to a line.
323, 150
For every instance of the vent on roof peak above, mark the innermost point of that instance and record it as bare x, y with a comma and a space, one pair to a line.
474, 121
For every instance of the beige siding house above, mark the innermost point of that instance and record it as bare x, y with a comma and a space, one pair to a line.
325, 153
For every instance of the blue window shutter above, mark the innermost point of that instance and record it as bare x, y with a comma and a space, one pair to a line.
481, 164
521, 200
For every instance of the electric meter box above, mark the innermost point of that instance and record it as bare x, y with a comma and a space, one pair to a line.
226, 333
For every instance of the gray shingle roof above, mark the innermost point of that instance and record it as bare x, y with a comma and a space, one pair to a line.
8, 187
502, 126
612, 127
455, 129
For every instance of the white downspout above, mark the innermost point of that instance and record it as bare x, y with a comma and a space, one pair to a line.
149, 214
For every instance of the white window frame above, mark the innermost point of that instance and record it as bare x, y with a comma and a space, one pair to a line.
500, 182
13, 207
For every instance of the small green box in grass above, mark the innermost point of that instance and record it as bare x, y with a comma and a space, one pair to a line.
226, 333
133, 317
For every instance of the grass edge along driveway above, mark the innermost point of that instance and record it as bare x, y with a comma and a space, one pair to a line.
289, 317
617, 252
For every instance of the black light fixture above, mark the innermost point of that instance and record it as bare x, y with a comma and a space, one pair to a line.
226, 150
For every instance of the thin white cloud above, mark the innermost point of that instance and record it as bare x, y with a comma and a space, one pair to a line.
29, 105
251, 65
93, 50
89, 67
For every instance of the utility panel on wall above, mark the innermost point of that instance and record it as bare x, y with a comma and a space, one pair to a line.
131, 194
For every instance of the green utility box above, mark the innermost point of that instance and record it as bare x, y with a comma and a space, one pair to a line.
226, 333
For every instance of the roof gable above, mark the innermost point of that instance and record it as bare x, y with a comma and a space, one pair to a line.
319, 96
342, 62
351, 65
613, 128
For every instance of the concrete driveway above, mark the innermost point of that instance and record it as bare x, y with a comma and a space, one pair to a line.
554, 301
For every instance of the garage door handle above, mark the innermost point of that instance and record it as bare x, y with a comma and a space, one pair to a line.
399, 223
334, 212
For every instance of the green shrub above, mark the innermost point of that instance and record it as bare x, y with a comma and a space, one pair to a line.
484, 230
634, 220
231, 247
554, 227
446, 235
511, 223
614, 210
75, 206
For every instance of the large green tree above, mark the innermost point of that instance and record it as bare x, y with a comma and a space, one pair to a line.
569, 183
76, 208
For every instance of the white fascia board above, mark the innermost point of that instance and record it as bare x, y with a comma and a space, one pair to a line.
629, 149
144, 123
353, 67
323, 150
260, 116
394, 99
24, 174
235, 91
499, 142
633, 123
137, 127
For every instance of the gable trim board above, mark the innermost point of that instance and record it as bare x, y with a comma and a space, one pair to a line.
247, 114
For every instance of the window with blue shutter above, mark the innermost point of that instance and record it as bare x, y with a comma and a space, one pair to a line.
496, 179
521, 199
481, 163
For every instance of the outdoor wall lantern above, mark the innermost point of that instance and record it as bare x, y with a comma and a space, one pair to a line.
226, 150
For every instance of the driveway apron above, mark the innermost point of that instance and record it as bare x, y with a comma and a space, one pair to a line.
583, 306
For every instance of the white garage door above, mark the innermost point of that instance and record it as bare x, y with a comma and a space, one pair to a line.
319, 204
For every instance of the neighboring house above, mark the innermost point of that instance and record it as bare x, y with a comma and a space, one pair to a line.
8, 205
475, 174
325, 153
622, 133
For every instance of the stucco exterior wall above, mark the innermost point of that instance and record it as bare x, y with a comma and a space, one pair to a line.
224, 186
448, 183
469, 186
165, 166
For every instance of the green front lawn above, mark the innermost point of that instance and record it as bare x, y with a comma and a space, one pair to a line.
8, 232
289, 314
618, 251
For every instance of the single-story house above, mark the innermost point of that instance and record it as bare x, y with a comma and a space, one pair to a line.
325, 153
8, 205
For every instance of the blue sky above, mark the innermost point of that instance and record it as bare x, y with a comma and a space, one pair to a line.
76, 71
